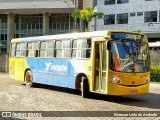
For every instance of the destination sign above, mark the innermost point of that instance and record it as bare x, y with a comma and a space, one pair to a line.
125, 36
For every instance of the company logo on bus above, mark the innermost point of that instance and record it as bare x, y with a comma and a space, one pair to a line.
50, 66
132, 36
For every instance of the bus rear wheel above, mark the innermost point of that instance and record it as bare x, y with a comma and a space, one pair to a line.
84, 88
29, 79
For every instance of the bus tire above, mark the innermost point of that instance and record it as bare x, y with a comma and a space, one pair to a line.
29, 79
84, 88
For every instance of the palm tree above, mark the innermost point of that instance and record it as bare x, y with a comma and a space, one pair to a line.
86, 15
138, 31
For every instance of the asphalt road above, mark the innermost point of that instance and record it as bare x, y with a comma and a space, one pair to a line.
15, 96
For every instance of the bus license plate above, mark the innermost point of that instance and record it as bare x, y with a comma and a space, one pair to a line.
133, 91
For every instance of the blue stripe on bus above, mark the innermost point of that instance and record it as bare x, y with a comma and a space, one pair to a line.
58, 72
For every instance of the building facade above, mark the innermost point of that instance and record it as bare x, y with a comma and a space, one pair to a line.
131, 15
25, 18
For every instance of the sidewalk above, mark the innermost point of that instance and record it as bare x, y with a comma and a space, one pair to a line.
155, 84
4, 73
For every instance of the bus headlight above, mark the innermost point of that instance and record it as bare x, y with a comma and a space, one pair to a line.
147, 81
114, 79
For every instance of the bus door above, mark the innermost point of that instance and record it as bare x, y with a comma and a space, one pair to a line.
100, 66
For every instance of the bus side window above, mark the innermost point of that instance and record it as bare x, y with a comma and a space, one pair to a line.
23, 50
42, 50
74, 46
18, 50
58, 49
66, 48
88, 53
36, 53
30, 49
36, 48
26, 53
81, 48
27, 50
88, 50
50, 46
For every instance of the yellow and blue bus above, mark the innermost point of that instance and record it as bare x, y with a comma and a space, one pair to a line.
109, 62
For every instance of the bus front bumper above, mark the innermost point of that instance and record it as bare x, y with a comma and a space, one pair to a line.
115, 89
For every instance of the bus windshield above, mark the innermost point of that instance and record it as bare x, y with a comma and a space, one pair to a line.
129, 56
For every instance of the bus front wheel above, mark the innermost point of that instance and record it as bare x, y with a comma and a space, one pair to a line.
84, 88
29, 78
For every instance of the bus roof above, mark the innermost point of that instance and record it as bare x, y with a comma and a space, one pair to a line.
105, 34
62, 36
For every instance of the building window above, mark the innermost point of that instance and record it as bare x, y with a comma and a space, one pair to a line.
3, 33
109, 19
109, 2
150, 16
132, 14
122, 1
100, 17
139, 13
122, 18
3, 45
28, 25
159, 15
61, 23
94, 3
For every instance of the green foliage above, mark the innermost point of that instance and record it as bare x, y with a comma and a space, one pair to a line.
155, 73
138, 31
86, 14
76, 13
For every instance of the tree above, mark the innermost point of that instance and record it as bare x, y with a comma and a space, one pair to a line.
138, 31
86, 15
